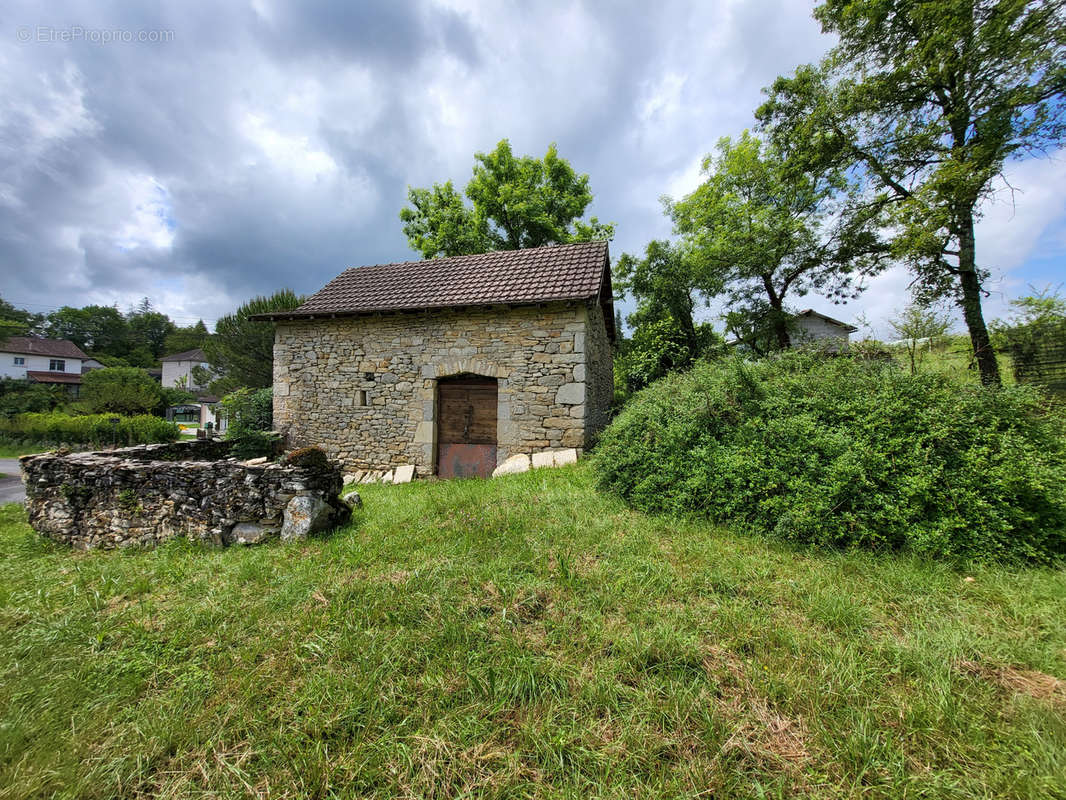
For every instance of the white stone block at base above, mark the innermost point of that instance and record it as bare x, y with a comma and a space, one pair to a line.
544, 458
404, 474
562, 457
512, 466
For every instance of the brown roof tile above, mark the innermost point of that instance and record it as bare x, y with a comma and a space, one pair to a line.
533, 275
36, 346
40, 376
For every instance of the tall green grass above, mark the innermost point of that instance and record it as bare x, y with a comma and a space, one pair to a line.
525, 637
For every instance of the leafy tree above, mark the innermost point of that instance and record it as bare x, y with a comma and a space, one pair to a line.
182, 339
657, 348
242, 350
121, 390
756, 326
439, 223
97, 329
177, 396
149, 329
765, 226
516, 202
665, 285
926, 101
16, 321
919, 325
250, 415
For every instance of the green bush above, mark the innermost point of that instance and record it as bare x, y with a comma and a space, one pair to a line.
250, 415
18, 396
121, 390
845, 452
91, 429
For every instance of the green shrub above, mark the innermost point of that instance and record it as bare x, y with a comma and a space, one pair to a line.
122, 390
250, 415
18, 396
846, 452
91, 429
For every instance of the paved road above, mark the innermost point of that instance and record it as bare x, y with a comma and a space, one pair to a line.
11, 488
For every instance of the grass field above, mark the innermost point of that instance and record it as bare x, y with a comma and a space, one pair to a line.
524, 637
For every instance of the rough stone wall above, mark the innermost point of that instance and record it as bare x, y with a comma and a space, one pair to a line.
600, 375
142, 496
325, 369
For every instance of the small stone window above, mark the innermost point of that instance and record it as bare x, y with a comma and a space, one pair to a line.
360, 397
369, 376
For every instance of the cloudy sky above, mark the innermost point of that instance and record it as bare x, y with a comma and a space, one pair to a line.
202, 153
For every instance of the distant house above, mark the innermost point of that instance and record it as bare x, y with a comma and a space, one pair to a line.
810, 326
178, 374
178, 367
51, 361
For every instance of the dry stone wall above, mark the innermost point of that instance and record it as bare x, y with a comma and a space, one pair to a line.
365, 388
141, 496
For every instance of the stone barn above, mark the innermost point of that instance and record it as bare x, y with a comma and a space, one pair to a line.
451, 365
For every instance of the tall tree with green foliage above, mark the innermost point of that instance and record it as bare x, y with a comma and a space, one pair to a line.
927, 100
242, 350
97, 329
16, 321
181, 340
516, 202
149, 329
919, 326
764, 227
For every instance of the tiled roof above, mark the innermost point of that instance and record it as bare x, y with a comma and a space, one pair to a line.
532, 275
36, 346
53, 377
189, 355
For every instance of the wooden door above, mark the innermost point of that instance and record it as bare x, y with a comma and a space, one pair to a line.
466, 427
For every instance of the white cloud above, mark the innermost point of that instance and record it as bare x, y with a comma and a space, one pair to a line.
151, 219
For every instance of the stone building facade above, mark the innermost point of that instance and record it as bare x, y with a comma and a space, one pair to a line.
367, 384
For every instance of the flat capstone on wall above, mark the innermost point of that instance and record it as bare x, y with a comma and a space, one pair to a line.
142, 496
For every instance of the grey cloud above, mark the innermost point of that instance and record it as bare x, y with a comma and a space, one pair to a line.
283, 139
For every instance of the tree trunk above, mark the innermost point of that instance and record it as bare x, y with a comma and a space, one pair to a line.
970, 300
778, 321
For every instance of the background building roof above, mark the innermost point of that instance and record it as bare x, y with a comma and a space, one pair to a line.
36, 346
195, 354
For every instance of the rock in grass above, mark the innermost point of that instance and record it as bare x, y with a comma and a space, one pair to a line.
305, 515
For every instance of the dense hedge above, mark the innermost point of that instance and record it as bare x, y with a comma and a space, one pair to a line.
847, 453
91, 429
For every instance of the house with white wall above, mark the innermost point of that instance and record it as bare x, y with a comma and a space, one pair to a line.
178, 374
810, 326
178, 367
32, 358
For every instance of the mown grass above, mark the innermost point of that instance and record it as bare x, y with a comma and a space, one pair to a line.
524, 637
